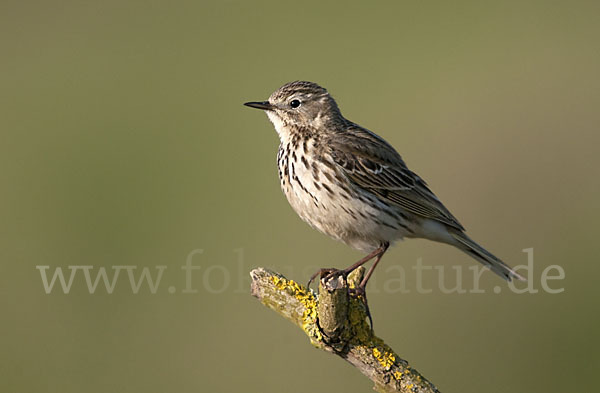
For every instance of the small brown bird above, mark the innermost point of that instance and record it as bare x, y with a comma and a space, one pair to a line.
352, 185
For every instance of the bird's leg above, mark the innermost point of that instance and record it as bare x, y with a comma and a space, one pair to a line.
373, 254
329, 273
381, 250
360, 291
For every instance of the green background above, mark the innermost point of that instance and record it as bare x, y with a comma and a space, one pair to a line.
124, 141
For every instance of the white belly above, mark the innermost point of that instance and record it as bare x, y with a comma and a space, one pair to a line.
354, 217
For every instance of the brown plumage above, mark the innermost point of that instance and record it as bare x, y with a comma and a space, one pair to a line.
350, 184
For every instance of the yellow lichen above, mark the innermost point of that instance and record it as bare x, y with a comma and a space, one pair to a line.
385, 357
308, 300
358, 333
351, 284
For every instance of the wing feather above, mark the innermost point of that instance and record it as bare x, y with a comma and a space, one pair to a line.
371, 163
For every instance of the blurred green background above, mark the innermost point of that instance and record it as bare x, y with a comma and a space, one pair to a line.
124, 141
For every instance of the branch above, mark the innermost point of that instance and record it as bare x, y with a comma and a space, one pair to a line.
336, 323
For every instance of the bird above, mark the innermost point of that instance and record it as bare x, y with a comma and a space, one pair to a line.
350, 184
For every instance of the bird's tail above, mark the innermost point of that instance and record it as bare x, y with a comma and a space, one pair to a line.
470, 247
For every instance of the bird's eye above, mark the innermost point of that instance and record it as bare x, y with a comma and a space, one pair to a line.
294, 103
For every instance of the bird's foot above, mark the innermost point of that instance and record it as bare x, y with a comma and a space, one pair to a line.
357, 293
327, 273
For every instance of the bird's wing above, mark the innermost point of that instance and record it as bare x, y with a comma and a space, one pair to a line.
371, 163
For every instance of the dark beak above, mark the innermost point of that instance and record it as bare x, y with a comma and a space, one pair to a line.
264, 105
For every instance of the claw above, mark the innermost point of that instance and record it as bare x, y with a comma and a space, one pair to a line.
357, 293
324, 272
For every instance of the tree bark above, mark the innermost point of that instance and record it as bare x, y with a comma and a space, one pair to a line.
337, 323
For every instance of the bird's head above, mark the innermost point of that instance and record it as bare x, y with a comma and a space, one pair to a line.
301, 104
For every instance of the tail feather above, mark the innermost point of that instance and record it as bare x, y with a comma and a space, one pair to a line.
470, 247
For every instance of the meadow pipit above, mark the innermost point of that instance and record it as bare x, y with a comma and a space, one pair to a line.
350, 184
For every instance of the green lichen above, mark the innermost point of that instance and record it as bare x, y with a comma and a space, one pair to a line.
362, 338
360, 331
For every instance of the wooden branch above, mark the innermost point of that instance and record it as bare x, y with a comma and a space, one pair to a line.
337, 323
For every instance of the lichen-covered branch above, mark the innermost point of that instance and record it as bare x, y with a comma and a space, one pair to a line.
337, 323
